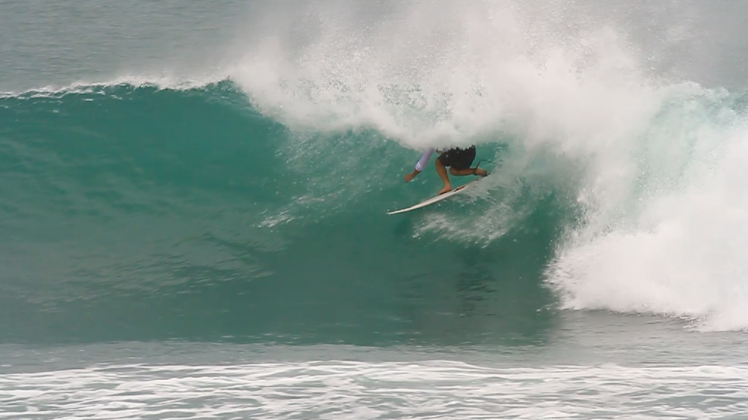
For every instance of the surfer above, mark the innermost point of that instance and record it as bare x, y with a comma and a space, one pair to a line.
458, 159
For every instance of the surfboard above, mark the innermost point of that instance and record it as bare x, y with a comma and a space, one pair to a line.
436, 199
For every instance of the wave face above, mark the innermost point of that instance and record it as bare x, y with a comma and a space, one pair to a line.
187, 213
248, 202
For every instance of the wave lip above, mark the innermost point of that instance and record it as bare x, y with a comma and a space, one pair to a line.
160, 82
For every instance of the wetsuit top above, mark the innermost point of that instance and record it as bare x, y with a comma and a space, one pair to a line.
424, 159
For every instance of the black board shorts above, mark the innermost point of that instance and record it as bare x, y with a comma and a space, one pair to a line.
458, 158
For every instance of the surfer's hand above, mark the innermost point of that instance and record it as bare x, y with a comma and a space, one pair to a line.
409, 177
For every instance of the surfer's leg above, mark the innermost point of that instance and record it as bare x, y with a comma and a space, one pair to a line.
468, 171
462, 162
442, 171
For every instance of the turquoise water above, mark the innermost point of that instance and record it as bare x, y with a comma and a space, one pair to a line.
214, 224
193, 211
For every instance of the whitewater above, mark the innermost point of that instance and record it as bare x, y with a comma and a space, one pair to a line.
193, 210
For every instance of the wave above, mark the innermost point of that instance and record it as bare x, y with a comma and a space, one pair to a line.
647, 164
187, 212
261, 189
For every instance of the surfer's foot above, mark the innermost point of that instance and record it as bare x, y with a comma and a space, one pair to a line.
480, 172
447, 188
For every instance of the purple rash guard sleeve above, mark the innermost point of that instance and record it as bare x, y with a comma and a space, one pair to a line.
424, 159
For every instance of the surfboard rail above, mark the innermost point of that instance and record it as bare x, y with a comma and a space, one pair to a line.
436, 199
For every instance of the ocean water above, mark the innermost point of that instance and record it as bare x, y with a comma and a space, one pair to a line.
193, 204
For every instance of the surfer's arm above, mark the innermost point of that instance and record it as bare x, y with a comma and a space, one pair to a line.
420, 165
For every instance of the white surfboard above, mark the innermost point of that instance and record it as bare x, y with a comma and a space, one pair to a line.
436, 199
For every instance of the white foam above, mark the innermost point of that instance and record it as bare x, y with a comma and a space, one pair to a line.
679, 248
439, 73
342, 390
657, 168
